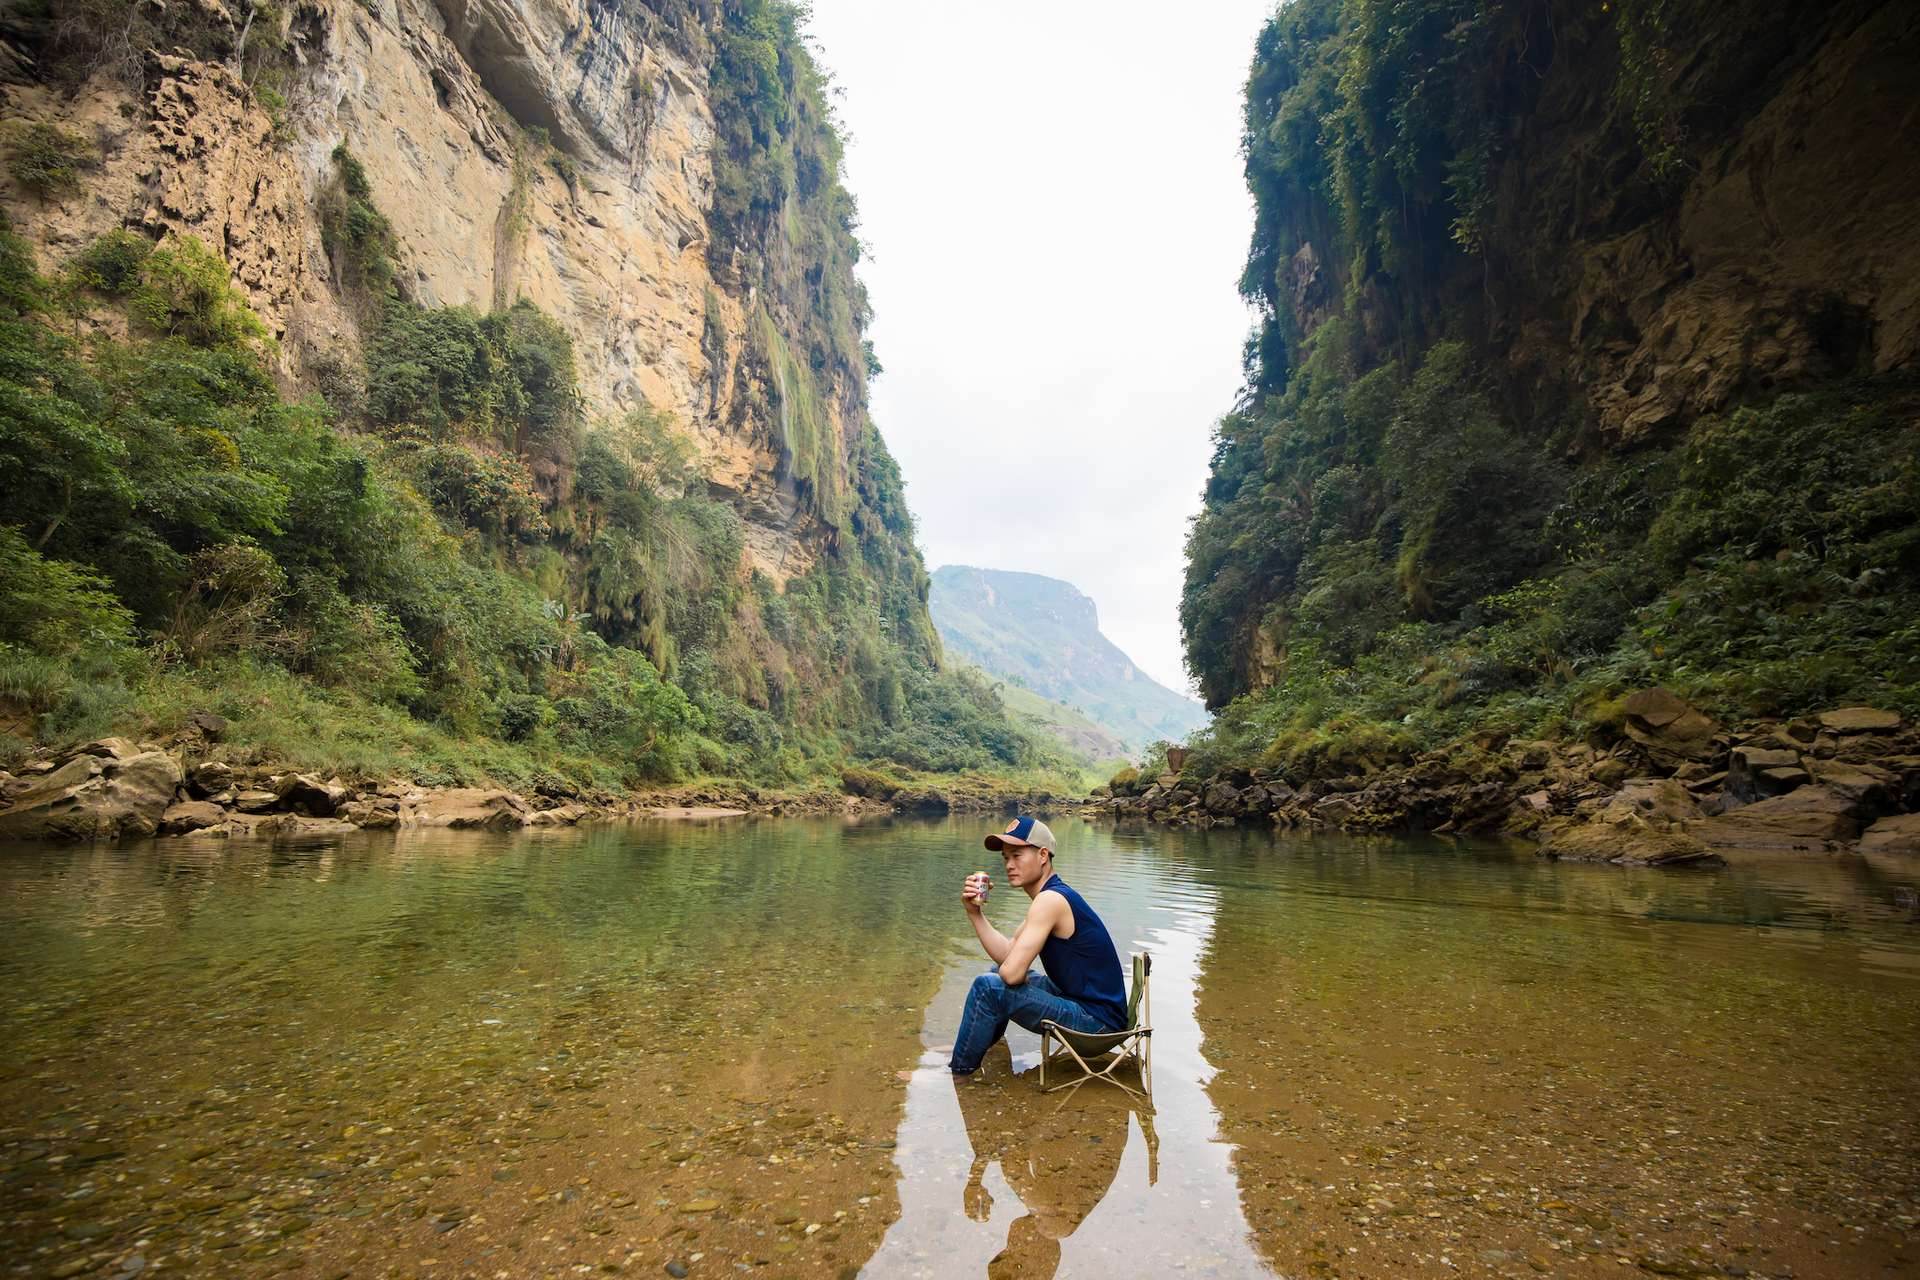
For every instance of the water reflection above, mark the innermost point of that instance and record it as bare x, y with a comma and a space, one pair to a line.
469, 1054
999, 1178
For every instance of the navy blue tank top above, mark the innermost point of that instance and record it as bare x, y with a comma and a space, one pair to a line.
1085, 967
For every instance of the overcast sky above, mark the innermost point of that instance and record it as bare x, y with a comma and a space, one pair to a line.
1052, 198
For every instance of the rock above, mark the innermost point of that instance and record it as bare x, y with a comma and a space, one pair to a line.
1667, 727
294, 824
1802, 730
1177, 759
1810, 818
1631, 843
1333, 811
110, 748
209, 777
1746, 767
929, 800
190, 815
1661, 802
465, 807
1848, 720
209, 725
1869, 786
1783, 778
95, 796
562, 815
303, 793
1222, 797
1538, 801
255, 800
1707, 785
1899, 834
375, 814
1611, 773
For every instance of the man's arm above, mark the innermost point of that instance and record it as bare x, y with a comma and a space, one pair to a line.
991, 939
1033, 933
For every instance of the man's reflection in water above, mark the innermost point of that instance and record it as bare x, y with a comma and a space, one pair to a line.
1059, 1153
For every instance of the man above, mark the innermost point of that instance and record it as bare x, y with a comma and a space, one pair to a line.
1083, 989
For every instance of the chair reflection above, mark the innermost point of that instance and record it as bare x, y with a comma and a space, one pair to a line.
1060, 1158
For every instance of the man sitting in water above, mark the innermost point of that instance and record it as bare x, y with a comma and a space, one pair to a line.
1083, 989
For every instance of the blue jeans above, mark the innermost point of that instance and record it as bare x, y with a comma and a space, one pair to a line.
991, 1004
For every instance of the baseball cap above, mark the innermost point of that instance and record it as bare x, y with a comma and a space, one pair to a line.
1023, 831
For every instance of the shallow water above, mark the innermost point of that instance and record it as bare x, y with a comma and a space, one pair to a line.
723, 1047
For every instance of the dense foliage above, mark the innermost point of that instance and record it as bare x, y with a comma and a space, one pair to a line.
1390, 552
441, 566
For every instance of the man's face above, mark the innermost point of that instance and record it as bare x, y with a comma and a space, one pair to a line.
1024, 863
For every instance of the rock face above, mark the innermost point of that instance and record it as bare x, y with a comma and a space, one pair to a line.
95, 797
1805, 818
442, 102
1670, 791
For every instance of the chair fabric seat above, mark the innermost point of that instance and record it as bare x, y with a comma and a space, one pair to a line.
1127, 1045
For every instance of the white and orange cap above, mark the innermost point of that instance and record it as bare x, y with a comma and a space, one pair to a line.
1022, 831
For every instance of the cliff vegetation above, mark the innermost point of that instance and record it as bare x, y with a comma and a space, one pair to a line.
432, 553
1585, 363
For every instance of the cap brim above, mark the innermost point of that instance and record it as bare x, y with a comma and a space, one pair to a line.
998, 842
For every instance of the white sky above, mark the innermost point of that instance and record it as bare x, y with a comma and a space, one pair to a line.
1052, 197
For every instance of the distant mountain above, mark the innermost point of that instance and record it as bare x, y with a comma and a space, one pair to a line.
1044, 634
1090, 743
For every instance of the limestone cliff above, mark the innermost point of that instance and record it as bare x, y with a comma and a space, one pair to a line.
557, 150
1661, 209
1587, 345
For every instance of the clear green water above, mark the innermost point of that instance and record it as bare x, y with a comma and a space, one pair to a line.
721, 1047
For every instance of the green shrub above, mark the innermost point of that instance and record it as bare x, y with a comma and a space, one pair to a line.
185, 292
54, 608
868, 783
46, 159
1124, 782
113, 263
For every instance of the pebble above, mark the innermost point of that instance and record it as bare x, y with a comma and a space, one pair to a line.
677, 1269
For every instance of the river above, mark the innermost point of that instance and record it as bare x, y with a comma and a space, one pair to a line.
718, 1049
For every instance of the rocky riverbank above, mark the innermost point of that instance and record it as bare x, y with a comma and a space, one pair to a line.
193, 785
1667, 785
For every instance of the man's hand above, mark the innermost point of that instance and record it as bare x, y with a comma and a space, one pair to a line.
973, 892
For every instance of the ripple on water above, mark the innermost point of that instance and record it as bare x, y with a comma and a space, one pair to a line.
656, 1044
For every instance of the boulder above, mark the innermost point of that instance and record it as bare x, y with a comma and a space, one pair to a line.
95, 797
1667, 727
1747, 768
1611, 773
1899, 834
190, 815
1662, 802
1812, 817
209, 777
1222, 797
561, 815
1848, 720
1177, 758
375, 814
110, 748
1632, 843
254, 800
208, 725
927, 800
305, 794
1869, 786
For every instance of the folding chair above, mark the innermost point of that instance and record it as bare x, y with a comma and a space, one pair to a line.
1133, 1044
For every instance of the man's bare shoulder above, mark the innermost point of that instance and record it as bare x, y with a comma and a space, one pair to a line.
1049, 905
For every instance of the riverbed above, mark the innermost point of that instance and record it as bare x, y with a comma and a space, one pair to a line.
718, 1049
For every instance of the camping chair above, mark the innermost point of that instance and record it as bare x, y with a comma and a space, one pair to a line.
1129, 1045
